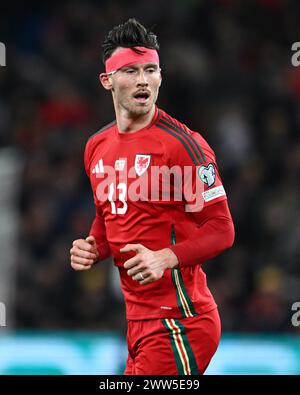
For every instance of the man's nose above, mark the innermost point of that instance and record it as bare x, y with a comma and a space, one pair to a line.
142, 80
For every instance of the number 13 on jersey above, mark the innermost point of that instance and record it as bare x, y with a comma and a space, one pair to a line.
122, 188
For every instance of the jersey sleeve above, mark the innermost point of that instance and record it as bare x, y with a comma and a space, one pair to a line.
205, 199
87, 157
98, 229
202, 185
213, 233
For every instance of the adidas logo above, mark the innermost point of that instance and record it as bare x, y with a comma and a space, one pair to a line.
99, 168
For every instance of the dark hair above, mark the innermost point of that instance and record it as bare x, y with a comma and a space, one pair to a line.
129, 34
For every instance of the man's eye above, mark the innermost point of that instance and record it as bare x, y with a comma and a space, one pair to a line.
130, 71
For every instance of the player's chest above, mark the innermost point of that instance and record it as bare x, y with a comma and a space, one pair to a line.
132, 159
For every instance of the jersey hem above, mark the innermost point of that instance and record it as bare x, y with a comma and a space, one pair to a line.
174, 314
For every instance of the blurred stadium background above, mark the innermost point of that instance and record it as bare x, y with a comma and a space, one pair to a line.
227, 72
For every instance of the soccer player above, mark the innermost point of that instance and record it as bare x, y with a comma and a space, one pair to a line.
161, 212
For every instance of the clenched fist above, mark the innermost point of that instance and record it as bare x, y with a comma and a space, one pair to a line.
84, 253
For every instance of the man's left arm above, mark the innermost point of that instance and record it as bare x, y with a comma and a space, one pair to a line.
214, 233
207, 204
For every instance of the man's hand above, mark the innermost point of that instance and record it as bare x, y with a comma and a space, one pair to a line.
148, 266
84, 253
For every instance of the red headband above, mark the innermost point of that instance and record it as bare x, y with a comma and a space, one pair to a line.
127, 57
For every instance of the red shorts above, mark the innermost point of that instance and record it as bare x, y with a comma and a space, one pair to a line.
172, 346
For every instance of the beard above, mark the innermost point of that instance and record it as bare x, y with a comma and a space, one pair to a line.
137, 109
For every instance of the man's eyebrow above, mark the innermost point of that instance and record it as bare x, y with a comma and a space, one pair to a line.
154, 65
147, 65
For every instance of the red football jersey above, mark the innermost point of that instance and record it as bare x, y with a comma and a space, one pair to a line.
132, 208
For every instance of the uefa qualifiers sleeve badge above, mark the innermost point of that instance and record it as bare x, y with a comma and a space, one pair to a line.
207, 174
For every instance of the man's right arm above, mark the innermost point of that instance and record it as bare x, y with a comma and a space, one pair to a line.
86, 252
98, 230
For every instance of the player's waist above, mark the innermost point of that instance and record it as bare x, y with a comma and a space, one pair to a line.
136, 313
179, 293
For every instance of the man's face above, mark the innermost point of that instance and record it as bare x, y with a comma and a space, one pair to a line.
135, 88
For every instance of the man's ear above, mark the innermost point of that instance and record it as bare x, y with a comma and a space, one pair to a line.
105, 81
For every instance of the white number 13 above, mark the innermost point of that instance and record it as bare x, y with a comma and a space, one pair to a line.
122, 187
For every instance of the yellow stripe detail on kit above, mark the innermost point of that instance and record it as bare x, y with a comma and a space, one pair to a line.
183, 346
182, 297
178, 332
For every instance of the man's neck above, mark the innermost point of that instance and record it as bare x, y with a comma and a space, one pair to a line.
127, 123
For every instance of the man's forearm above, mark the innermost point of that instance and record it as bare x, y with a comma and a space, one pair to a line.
209, 240
98, 231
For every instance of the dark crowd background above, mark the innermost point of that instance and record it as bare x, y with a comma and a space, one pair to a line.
227, 73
